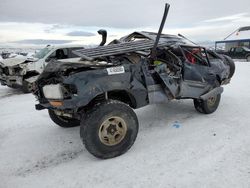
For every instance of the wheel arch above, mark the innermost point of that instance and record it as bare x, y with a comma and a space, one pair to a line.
120, 95
123, 96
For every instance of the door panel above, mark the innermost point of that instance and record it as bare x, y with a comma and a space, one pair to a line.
171, 84
193, 72
197, 73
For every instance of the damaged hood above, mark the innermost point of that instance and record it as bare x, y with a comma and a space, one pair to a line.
58, 66
10, 62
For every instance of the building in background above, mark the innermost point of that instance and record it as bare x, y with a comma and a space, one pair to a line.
240, 37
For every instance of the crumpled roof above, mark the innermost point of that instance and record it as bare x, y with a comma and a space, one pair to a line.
137, 41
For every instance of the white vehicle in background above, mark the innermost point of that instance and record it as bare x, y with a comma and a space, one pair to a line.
22, 71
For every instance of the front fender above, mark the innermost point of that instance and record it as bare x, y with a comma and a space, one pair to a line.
89, 85
37, 66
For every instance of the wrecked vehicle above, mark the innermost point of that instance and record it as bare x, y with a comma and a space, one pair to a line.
21, 72
240, 52
100, 91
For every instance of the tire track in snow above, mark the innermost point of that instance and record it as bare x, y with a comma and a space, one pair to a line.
9, 94
48, 162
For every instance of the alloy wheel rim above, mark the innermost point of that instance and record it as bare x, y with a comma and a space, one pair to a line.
112, 131
211, 101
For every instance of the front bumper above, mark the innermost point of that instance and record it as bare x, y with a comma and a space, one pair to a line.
11, 81
39, 107
71, 104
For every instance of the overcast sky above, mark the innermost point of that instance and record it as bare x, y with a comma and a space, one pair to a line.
36, 22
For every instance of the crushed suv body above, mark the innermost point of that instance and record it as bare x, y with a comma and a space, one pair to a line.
21, 71
100, 91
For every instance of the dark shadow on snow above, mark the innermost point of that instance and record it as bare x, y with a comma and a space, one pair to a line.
7, 92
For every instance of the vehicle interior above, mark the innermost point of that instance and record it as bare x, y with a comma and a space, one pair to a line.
64, 53
195, 55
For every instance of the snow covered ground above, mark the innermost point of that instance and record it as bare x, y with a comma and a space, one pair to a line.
176, 146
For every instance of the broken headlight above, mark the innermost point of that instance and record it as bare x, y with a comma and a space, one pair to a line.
59, 91
53, 91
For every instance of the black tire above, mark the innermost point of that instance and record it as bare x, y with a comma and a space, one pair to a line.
197, 105
64, 122
92, 127
206, 106
248, 58
26, 87
229, 61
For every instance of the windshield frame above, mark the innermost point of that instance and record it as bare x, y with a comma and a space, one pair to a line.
42, 53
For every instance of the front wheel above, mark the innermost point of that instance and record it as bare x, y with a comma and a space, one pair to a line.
109, 129
207, 106
248, 58
65, 122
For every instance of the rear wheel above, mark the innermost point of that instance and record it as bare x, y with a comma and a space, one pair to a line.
229, 61
207, 106
65, 122
109, 129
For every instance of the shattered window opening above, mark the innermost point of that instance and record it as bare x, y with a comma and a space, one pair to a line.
42, 53
196, 55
